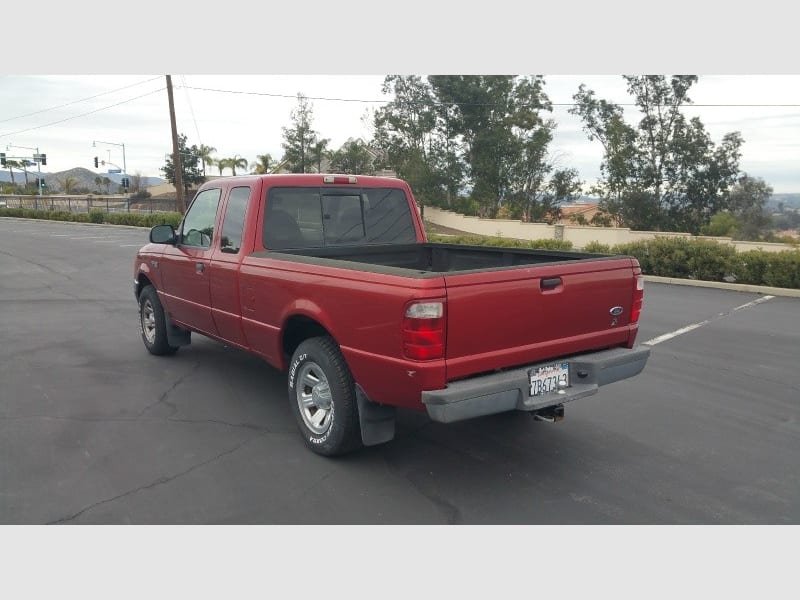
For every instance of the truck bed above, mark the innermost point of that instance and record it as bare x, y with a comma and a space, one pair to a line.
428, 259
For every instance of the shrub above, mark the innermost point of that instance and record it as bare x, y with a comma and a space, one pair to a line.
479, 240
96, 215
682, 257
597, 248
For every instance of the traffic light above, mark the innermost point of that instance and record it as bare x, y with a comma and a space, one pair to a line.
44, 159
3, 159
126, 182
95, 163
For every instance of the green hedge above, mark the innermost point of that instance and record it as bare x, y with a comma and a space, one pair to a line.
97, 216
478, 240
682, 258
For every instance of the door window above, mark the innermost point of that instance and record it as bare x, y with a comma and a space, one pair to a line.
198, 224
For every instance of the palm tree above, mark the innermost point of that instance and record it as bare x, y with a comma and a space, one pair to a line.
237, 161
204, 152
263, 165
222, 164
320, 151
68, 184
11, 165
107, 183
25, 164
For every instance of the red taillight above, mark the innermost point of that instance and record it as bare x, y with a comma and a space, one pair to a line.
638, 299
423, 331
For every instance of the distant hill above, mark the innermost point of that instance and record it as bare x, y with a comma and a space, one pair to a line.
788, 200
85, 178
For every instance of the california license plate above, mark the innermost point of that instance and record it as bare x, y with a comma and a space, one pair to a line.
546, 380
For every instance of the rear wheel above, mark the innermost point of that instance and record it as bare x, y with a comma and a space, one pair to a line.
154, 323
322, 397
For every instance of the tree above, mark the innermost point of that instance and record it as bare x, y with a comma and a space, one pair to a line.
319, 151
205, 152
264, 164
353, 158
666, 173
190, 169
107, 183
98, 181
412, 134
504, 135
11, 165
748, 202
68, 184
222, 164
237, 161
299, 140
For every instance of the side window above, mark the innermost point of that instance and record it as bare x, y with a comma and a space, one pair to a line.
233, 223
198, 224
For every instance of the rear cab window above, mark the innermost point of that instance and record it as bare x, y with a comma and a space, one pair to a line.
319, 217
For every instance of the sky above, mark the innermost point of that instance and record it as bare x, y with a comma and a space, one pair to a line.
63, 115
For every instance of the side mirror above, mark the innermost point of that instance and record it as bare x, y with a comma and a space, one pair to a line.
162, 234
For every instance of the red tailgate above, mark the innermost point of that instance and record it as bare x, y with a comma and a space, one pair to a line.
511, 317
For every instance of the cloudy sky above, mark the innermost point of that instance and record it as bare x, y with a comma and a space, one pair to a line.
58, 91
63, 115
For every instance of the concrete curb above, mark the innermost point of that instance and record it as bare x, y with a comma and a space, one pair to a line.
76, 223
731, 287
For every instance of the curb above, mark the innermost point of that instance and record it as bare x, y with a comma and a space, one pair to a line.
731, 287
75, 223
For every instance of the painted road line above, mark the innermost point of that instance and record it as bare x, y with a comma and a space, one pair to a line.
692, 327
131, 245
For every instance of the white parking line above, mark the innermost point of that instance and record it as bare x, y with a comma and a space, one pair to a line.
131, 245
688, 328
88, 237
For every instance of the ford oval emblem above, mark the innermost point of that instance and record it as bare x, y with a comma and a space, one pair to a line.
616, 311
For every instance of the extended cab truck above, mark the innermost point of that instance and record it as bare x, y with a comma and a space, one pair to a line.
331, 279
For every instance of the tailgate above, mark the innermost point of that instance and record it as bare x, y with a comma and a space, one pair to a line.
509, 317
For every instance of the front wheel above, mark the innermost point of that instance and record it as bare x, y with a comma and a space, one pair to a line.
322, 397
153, 323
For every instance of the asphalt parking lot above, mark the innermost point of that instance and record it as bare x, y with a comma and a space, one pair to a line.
93, 429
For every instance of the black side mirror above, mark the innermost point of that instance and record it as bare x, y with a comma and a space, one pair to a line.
162, 234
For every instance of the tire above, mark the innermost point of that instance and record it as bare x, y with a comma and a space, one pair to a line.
153, 323
322, 397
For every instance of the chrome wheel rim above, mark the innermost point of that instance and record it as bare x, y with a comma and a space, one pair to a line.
149, 321
314, 398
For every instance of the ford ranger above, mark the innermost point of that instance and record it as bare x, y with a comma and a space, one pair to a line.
331, 279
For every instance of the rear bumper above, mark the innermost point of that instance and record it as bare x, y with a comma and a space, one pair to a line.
509, 390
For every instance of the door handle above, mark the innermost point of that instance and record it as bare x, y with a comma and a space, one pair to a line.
551, 283
199, 268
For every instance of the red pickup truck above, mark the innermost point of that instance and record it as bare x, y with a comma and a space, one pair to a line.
331, 279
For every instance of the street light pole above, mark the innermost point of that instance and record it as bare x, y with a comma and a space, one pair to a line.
36, 160
124, 164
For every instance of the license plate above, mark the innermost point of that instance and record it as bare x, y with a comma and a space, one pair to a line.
545, 380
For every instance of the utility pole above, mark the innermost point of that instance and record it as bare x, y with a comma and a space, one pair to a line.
176, 155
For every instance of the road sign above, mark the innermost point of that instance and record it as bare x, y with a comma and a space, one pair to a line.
115, 170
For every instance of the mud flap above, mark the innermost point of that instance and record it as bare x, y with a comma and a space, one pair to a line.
376, 420
178, 336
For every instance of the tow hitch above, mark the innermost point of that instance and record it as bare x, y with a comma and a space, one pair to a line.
551, 414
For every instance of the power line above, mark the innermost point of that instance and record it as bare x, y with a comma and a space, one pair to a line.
363, 101
76, 101
191, 110
91, 112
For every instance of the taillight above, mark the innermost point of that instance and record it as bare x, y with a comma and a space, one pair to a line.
423, 331
638, 299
